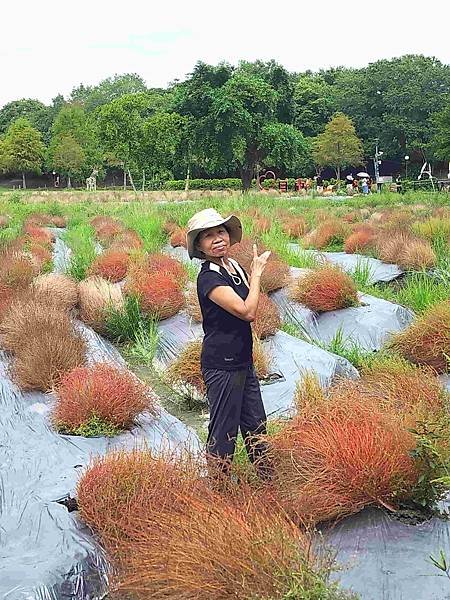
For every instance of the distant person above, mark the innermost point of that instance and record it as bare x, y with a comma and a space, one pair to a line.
319, 184
398, 181
349, 184
365, 185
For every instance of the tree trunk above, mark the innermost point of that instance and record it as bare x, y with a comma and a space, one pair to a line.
124, 178
24, 183
338, 173
246, 178
69, 183
186, 184
131, 181
143, 180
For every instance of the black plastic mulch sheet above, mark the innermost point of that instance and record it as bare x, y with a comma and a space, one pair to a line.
385, 559
45, 551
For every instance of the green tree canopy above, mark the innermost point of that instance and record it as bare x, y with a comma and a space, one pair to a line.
236, 114
394, 100
73, 128
440, 143
164, 135
109, 89
338, 146
39, 115
68, 156
314, 104
22, 149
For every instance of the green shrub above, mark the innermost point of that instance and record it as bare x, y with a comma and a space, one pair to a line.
204, 184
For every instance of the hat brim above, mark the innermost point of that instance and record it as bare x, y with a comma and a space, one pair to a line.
233, 225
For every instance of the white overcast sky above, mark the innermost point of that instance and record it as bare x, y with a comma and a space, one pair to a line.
48, 47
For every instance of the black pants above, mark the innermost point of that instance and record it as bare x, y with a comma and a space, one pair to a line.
235, 402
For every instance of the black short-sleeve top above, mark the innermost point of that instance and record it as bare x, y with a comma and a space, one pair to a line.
227, 344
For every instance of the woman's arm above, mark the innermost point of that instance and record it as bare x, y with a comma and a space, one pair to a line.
227, 298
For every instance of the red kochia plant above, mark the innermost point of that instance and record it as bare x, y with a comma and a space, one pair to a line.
427, 340
114, 395
158, 293
4, 220
193, 305
341, 455
276, 272
359, 239
275, 275
267, 319
178, 238
111, 265
38, 234
273, 558
261, 225
181, 517
161, 263
325, 289
243, 252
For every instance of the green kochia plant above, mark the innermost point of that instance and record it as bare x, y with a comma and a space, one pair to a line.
95, 426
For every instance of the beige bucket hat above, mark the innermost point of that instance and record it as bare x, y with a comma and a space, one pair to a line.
210, 218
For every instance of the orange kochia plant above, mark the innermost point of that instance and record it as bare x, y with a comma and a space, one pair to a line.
324, 289
103, 390
111, 265
159, 294
341, 453
182, 517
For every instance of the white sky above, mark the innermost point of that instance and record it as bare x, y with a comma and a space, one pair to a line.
48, 47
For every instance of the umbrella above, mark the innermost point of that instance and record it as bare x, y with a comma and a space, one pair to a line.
362, 174
349, 177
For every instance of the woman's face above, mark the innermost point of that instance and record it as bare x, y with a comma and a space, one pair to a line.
214, 241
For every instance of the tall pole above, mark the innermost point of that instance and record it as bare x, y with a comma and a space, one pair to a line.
377, 166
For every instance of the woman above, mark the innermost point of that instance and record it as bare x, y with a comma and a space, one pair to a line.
228, 300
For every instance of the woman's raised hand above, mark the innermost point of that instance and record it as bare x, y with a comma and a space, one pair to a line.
259, 262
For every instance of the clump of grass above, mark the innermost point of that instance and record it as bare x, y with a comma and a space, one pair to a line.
427, 340
80, 239
422, 290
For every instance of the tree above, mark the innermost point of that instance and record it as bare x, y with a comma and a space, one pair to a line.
314, 104
109, 89
39, 115
22, 149
394, 100
121, 127
440, 143
338, 146
164, 134
74, 136
236, 119
68, 157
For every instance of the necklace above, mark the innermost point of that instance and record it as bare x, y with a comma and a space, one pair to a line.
236, 279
